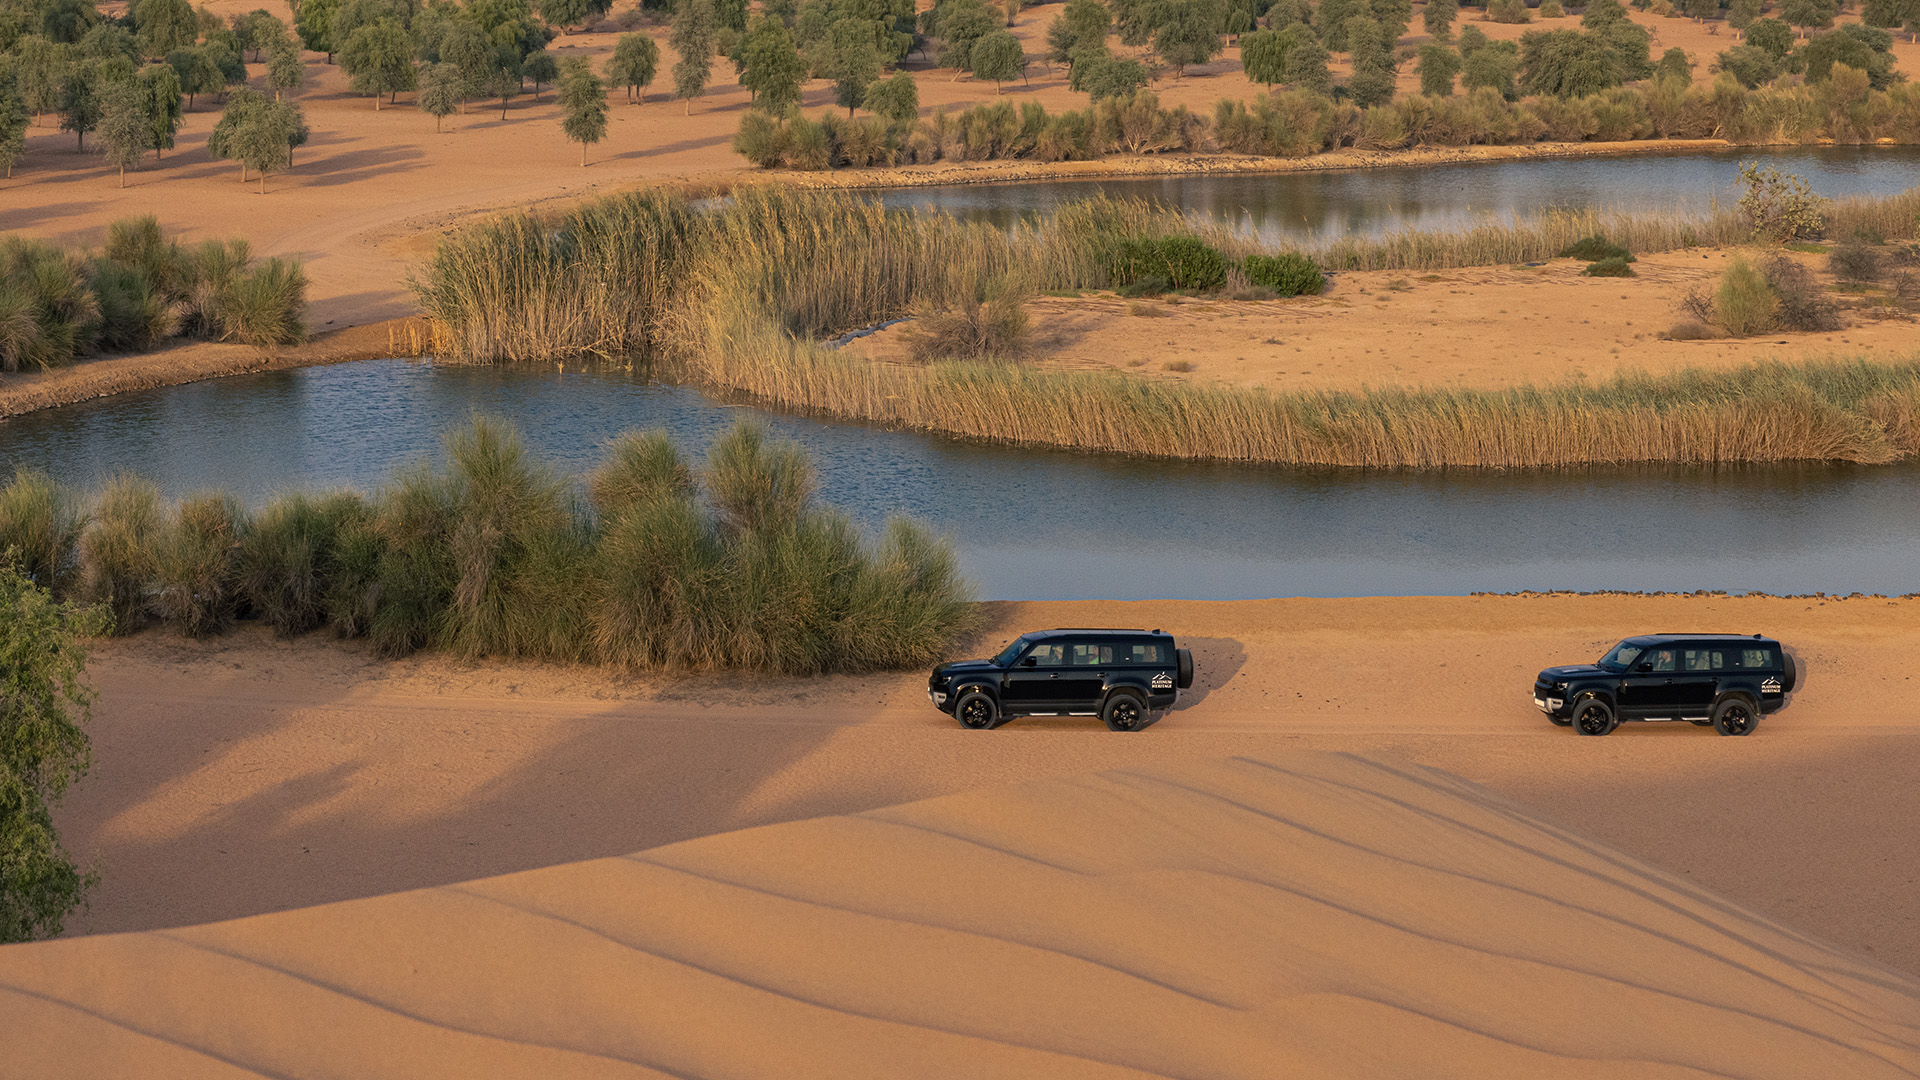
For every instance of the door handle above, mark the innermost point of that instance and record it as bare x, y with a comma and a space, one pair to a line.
1055, 675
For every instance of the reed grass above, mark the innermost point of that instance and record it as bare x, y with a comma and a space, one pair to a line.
492, 554
40, 529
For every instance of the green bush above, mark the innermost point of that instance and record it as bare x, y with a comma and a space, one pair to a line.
1856, 262
39, 530
1186, 262
193, 563
1286, 274
117, 551
287, 561
1596, 248
1609, 267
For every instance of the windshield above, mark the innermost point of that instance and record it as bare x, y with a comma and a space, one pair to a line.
1008, 654
1621, 658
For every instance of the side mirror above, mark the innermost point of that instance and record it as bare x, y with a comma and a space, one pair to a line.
1031, 661
1645, 665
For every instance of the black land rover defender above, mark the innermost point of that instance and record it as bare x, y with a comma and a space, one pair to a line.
1718, 679
1121, 676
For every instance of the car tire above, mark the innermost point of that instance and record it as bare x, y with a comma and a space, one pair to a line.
1735, 716
1594, 717
1792, 672
1182, 668
1124, 712
976, 709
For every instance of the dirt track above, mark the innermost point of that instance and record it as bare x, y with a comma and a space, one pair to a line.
244, 776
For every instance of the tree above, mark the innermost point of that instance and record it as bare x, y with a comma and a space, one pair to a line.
44, 703
1493, 65
1566, 63
1330, 20
1372, 80
1081, 23
1891, 15
160, 90
1307, 62
636, 59
79, 104
539, 68
573, 12
1861, 48
1750, 64
469, 52
1438, 16
897, 100
1700, 10
1674, 65
692, 37
1809, 15
1742, 13
166, 25
959, 24
998, 57
314, 23
260, 31
583, 105
1190, 34
1772, 35
1438, 67
503, 79
852, 63
379, 59
14, 119
258, 133
1394, 16
1263, 54
441, 91
285, 69
126, 131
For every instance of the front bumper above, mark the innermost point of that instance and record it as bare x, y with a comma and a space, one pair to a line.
1548, 702
938, 697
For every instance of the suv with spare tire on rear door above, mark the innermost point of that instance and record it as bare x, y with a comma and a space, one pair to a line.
1121, 676
1708, 679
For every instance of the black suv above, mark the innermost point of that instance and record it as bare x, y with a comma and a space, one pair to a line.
1728, 682
1121, 676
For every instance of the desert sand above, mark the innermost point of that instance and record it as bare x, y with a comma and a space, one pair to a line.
241, 776
1275, 915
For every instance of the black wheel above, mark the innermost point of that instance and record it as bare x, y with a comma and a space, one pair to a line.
976, 710
1183, 668
1593, 717
1735, 716
1792, 673
1124, 712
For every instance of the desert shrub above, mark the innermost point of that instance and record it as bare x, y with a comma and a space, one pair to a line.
1594, 249
990, 321
1779, 207
639, 468
39, 530
658, 586
351, 593
1149, 285
1855, 261
1186, 262
1609, 267
193, 560
117, 550
265, 306
1551, 9
1286, 274
1804, 305
1744, 304
411, 585
757, 487
287, 558
1691, 330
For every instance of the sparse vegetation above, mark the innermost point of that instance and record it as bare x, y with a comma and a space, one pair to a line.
730, 566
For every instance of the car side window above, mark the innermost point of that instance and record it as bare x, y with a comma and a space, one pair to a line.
1659, 659
1703, 659
1142, 654
1090, 655
1044, 655
1756, 658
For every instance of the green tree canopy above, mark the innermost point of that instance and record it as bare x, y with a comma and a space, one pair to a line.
997, 56
693, 34
1493, 65
160, 90
897, 99
314, 23
1330, 21
852, 62
583, 105
166, 25
636, 59
14, 119
285, 69
1190, 33
1307, 61
1566, 63
573, 12
1439, 65
1372, 81
44, 703
441, 91
1263, 54
1438, 15
1809, 14
1674, 64
125, 129
379, 60
1772, 35
79, 103
959, 24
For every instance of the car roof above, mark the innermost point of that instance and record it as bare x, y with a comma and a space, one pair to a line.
1077, 631
1661, 639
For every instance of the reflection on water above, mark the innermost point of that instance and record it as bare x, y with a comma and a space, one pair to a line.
1052, 524
1317, 205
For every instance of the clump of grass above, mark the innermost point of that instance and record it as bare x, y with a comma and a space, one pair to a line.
1856, 262
639, 468
193, 563
1178, 365
1744, 303
1691, 330
989, 322
39, 530
117, 550
1611, 267
287, 560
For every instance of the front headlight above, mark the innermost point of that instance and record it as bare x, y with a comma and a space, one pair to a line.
1559, 686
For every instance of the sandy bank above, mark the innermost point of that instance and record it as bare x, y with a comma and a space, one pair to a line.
195, 361
1293, 914
241, 775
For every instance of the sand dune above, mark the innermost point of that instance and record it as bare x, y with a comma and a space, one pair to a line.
1313, 914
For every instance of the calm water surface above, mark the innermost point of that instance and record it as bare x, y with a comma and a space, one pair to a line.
1318, 205
1051, 524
